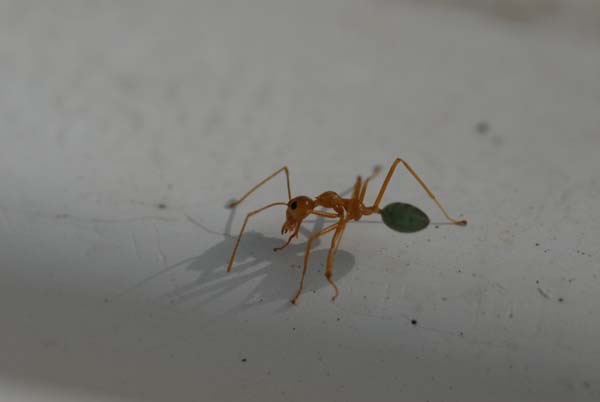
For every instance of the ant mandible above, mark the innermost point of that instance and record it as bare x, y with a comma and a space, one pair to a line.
398, 216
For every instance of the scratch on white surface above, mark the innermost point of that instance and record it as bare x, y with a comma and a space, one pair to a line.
125, 220
388, 292
543, 293
498, 286
153, 276
51, 215
164, 205
200, 225
163, 257
414, 322
134, 246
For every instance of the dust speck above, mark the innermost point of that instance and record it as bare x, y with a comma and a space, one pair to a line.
483, 127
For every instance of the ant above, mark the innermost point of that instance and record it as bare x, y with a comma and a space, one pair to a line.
398, 216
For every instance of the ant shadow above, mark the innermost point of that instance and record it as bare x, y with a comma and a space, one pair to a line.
277, 273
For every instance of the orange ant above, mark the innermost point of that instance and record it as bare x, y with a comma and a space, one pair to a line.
398, 216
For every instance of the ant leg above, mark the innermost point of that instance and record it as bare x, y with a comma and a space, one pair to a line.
363, 191
335, 242
308, 245
325, 214
357, 188
230, 264
287, 243
235, 203
375, 206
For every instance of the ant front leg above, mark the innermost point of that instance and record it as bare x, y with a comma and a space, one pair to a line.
363, 191
308, 246
237, 243
235, 203
375, 206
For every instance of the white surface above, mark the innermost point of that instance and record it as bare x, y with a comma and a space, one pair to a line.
108, 109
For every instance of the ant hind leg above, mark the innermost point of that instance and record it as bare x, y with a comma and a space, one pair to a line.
335, 242
375, 206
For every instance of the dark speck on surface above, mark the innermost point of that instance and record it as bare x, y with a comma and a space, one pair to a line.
537, 244
107, 300
244, 360
161, 206
560, 300
413, 322
482, 127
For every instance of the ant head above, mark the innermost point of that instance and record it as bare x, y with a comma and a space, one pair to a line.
298, 208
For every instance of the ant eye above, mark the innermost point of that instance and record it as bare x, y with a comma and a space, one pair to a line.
294, 205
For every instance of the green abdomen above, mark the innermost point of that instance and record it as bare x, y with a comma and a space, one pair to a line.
404, 218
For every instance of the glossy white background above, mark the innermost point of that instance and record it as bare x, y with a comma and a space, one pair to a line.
126, 126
